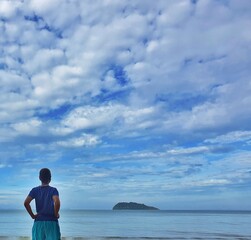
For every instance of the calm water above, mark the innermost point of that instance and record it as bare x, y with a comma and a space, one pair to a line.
135, 225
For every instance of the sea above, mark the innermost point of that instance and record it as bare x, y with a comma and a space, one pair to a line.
135, 225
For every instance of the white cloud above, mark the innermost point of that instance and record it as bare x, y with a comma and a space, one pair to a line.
187, 151
175, 14
44, 7
8, 8
231, 137
15, 104
91, 117
120, 119
59, 86
4, 165
83, 141
28, 127
45, 59
12, 82
209, 182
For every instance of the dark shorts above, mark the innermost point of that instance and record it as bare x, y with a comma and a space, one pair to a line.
46, 230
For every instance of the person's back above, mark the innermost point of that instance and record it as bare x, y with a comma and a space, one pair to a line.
43, 196
47, 206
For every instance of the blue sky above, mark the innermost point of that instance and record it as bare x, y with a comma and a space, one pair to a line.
145, 101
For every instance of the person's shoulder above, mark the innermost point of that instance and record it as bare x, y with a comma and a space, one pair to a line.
35, 188
34, 191
53, 189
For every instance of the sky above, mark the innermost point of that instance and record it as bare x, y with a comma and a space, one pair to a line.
144, 101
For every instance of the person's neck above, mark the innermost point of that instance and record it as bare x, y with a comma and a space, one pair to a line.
45, 184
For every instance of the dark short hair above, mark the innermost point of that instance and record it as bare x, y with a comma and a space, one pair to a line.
45, 175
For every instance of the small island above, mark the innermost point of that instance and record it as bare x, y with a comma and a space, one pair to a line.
132, 206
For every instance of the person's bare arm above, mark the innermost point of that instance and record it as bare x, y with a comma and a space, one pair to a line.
28, 207
56, 205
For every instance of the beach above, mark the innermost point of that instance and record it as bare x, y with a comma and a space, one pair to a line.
135, 225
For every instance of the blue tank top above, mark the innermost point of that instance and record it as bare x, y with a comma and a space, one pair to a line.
44, 202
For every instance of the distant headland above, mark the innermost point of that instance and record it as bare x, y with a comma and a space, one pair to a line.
132, 206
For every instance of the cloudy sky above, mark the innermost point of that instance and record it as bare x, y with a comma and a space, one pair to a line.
145, 101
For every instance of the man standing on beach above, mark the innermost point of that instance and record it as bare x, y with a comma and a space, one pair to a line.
47, 201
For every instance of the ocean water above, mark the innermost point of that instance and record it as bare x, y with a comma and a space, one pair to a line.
90, 224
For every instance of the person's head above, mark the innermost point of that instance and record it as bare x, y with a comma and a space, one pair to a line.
45, 175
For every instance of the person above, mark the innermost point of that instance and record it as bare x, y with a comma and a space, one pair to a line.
46, 226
